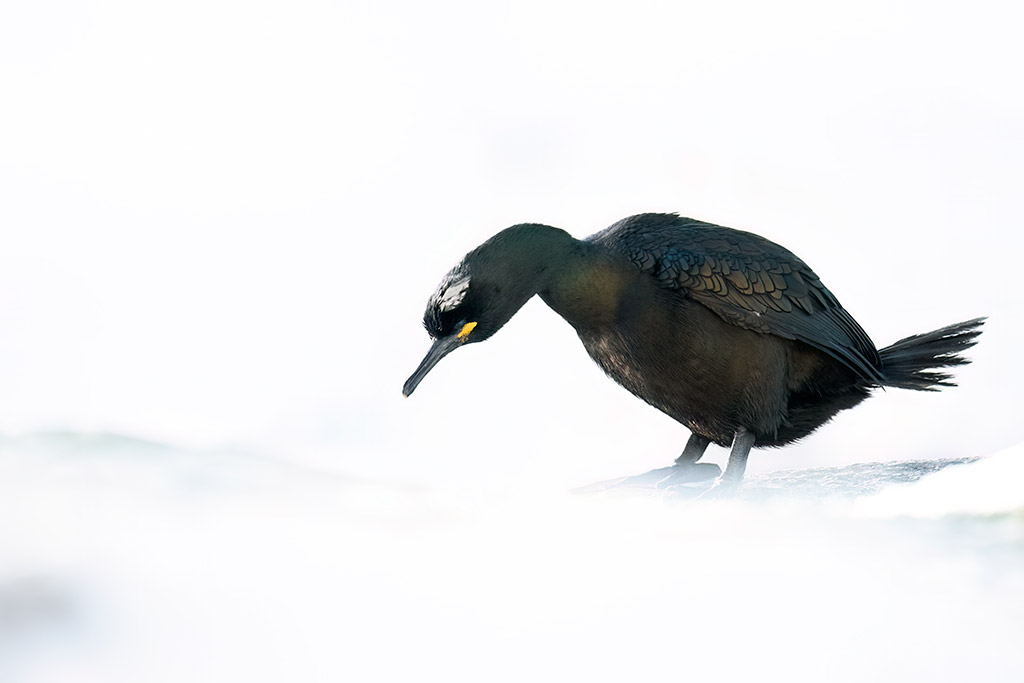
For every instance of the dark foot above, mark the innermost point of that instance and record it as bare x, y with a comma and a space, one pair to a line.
667, 477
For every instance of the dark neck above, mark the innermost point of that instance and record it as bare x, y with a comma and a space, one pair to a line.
583, 283
587, 285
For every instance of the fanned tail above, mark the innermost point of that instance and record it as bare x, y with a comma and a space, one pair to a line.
912, 363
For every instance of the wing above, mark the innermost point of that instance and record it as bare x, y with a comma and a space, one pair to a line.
745, 279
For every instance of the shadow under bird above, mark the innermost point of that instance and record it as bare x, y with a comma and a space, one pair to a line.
726, 332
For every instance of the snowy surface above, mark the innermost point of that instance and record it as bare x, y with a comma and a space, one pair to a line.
125, 560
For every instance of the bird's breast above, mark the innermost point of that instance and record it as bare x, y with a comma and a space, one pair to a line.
683, 360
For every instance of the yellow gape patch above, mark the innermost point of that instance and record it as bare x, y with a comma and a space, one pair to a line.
466, 329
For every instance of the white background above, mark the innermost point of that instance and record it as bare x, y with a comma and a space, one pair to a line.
220, 222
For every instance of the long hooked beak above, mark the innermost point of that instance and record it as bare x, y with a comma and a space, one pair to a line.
441, 348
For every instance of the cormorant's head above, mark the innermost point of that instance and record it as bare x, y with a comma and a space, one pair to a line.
483, 292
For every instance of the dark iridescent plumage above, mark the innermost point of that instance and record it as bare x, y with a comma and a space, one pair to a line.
745, 279
727, 332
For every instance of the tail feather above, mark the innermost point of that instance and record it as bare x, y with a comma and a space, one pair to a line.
912, 363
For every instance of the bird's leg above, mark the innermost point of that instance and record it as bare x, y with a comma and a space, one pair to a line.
726, 484
741, 445
695, 448
686, 469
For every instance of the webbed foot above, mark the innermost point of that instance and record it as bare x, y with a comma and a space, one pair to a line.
667, 477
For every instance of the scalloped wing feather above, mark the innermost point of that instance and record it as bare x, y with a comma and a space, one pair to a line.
746, 280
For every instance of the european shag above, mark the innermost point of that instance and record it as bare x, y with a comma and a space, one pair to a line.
723, 330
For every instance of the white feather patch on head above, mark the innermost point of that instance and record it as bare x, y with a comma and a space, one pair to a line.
453, 294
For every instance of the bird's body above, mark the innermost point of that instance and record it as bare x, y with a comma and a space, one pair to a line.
728, 333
